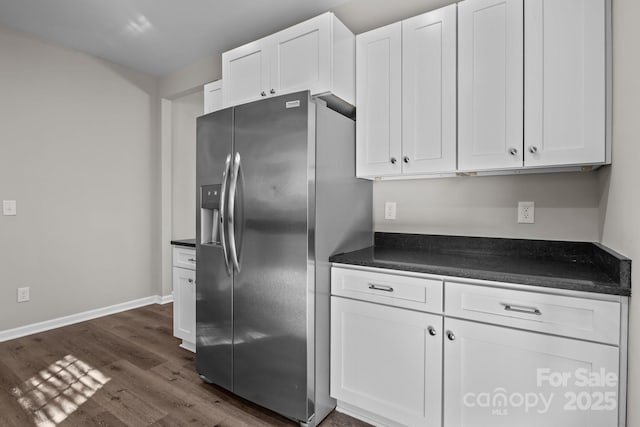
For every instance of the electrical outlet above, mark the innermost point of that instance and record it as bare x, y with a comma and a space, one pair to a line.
390, 210
23, 294
526, 212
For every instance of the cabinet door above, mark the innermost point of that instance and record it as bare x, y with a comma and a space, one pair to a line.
490, 97
379, 101
212, 96
184, 304
385, 360
429, 92
501, 377
565, 82
245, 71
302, 57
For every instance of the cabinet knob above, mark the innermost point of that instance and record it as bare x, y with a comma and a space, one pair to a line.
533, 149
406, 159
272, 91
513, 151
263, 93
432, 331
190, 280
393, 160
451, 336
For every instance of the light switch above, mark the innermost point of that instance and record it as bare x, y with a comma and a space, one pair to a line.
8, 207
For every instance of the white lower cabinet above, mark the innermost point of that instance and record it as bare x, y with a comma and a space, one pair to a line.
387, 360
498, 355
184, 297
496, 376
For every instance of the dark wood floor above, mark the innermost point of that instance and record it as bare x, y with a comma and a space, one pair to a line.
120, 370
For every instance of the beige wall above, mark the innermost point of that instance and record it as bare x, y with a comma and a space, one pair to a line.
566, 206
184, 112
77, 152
620, 203
178, 91
186, 79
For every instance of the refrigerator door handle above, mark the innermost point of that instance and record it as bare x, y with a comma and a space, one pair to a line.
232, 200
223, 216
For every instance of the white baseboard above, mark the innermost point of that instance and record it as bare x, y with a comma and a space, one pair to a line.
165, 299
366, 416
47, 325
188, 346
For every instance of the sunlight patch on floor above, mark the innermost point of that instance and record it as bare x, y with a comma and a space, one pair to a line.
57, 391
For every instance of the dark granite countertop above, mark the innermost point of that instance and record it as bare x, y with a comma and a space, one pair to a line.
579, 266
189, 243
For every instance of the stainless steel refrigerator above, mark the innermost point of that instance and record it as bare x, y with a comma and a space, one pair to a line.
277, 195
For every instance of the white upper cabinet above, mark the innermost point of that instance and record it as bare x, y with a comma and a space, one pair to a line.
490, 97
212, 96
245, 71
565, 82
302, 57
532, 90
315, 55
429, 92
379, 101
406, 97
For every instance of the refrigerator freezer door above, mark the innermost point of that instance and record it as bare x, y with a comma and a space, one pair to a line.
214, 303
270, 305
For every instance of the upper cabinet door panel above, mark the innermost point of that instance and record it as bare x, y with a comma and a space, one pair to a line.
302, 57
490, 59
213, 96
245, 70
379, 101
429, 92
565, 82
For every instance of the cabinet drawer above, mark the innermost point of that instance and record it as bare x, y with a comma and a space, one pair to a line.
391, 289
582, 318
184, 258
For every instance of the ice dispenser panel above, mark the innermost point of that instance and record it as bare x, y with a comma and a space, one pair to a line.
210, 214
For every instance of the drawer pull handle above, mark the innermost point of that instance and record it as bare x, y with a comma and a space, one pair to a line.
432, 331
191, 260
380, 287
521, 309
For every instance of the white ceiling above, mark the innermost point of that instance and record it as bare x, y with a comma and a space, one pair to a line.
156, 36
